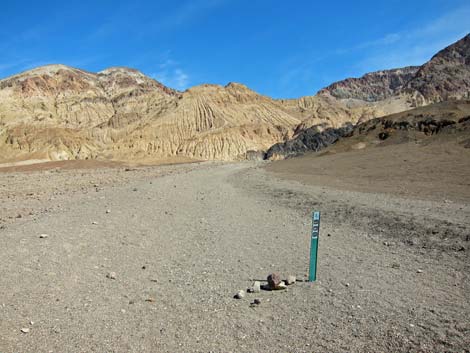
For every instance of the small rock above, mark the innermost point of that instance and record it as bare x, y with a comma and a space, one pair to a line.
281, 286
256, 288
274, 279
240, 294
108, 211
395, 265
419, 271
346, 284
25, 330
290, 280
43, 236
134, 189
257, 301
111, 275
94, 223
150, 300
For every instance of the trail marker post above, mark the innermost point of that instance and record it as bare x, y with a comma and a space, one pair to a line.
312, 274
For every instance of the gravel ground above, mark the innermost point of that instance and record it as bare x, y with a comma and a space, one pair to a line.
148, 260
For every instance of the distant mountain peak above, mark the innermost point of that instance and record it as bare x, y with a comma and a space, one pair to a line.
120, 69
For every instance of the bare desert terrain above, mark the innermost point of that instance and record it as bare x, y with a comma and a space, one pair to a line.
148, 259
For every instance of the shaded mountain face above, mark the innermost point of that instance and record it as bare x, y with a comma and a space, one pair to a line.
371, 87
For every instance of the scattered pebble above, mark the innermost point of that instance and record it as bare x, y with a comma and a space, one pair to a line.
43, 236
150, 300
255, 303
25, 330
256, 288
240, 294
111, 275
94, 223
346, 284
290, 280
108, 211
419, 271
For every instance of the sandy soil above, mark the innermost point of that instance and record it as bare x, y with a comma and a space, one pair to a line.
182, 240
437, 169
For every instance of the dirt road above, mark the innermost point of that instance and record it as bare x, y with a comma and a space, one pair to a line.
181, 241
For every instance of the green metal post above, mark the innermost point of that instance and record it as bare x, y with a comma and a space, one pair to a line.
312, 274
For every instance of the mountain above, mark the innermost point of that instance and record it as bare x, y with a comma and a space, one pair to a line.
450, 118
57, 112
446, 76
372, 87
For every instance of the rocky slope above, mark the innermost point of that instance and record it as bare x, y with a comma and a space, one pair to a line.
446, 76
450, 118
371, 87
57, 112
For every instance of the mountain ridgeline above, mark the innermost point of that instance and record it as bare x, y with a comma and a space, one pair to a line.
56, 112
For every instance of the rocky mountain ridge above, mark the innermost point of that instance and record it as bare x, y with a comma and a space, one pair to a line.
448, 117
57, 112
372, 87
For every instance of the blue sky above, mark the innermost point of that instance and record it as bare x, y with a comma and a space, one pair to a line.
278, 48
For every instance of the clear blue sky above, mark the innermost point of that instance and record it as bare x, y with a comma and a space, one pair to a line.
278, 48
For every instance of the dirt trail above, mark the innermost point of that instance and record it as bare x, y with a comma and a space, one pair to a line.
182, 244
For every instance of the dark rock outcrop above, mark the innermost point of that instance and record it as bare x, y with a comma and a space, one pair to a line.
311, 139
